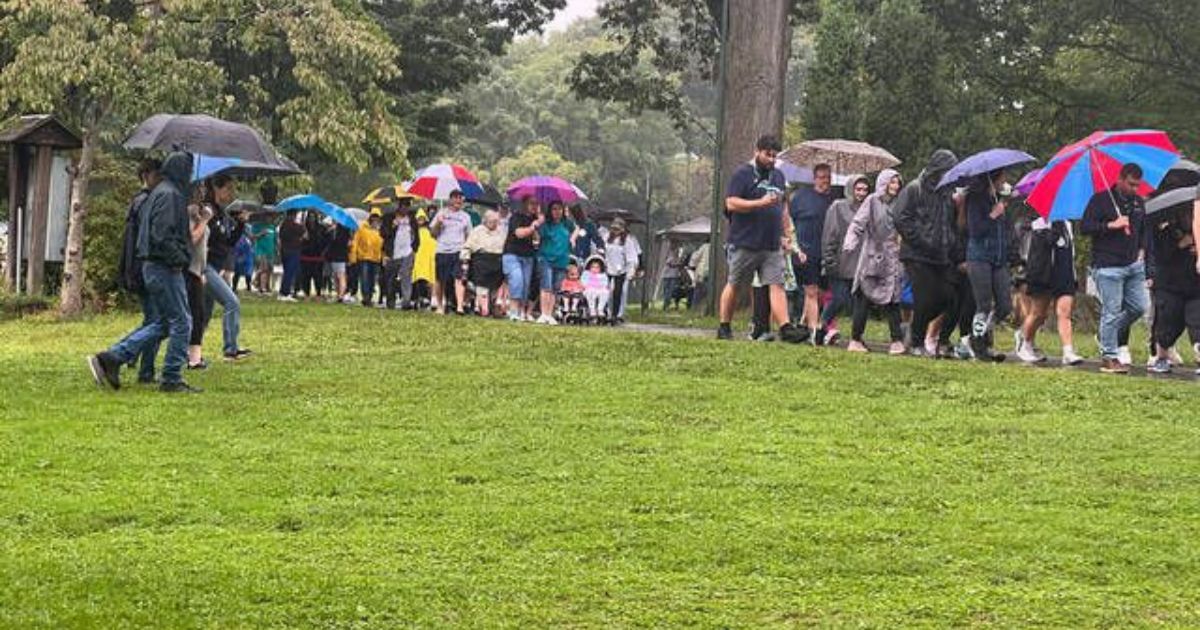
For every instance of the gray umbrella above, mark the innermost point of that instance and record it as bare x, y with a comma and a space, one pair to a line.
197, 133
1180, 197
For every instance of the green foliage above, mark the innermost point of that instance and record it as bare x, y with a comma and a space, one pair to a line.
607, 480
834, 94
113, 185
538, 159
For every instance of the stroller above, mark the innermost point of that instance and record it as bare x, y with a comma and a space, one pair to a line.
571, 304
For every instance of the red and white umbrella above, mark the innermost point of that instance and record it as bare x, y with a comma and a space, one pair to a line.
439, 180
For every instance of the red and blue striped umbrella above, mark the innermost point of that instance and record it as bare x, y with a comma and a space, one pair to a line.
439, 180
1093, 164
546, 189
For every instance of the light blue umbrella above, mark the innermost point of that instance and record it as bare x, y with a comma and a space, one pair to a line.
319, 204
205, 166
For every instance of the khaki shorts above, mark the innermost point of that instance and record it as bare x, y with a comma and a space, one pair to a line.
744, 263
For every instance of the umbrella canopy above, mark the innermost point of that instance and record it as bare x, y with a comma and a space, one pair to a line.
205, 166
490, 197
388, 195
698, 229
439, 180
359, 214
983, 163
546, 189
197, 133
1093, 164
1178, 198
804, 175
1027, 183
844, 156
318, 204
606, 216
1184, 174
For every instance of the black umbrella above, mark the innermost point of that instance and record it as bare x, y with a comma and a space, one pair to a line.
1184, 174
606, 216
490, 197
197, 133
1181, 198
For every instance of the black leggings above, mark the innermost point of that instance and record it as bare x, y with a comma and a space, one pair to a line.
965, 304
312, 277
934, 294
761, 302
195, 297
618, 290
862, 307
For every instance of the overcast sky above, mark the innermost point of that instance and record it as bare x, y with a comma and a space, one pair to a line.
575, 9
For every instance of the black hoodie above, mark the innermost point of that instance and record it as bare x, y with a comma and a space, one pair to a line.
925, 217
163, 234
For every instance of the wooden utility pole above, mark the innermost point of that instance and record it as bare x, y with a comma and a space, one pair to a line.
756, 45
38, 218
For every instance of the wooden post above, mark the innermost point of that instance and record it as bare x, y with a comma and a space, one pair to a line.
39, 215
756, 46
12, 265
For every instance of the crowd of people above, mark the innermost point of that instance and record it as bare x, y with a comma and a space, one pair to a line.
187, 248
942, 259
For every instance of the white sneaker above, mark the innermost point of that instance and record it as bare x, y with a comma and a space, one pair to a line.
544, 320
931, 346
1025, 353
287, 298
1124, 356
1070, 358
515, 317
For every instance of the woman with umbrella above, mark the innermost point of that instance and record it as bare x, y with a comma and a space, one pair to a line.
988, 249
554, 254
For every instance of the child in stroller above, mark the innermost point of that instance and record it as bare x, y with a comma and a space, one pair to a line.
595, 289
569, 307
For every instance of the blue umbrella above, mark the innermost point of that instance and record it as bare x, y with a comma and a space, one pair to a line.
319, 204
205, 166
983, 163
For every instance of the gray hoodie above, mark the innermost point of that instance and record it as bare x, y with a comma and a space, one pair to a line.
836, 262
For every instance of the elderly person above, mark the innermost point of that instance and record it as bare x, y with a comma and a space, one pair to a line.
482, 259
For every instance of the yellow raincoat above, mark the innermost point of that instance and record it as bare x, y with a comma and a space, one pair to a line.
424, 263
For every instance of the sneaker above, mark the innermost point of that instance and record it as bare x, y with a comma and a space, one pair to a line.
179, 388
790, 333
963, 351
349, 299
515, 317
832, 337
106, 370
1026, 354
931, 347
287, 298
896, 349
1069, 358
947, 353
767, 337
858, 347
1124, 356
724, 332
200, 366
1160, 366
546, 319
1110, 365
818, 337
1018, 339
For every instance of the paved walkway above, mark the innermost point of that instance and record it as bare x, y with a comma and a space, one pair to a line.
1181, 373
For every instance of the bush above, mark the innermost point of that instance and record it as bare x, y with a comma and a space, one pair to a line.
114, 183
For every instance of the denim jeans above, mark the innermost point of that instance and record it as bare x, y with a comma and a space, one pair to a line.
518, 271
215, 290
165, 288
1123, 301
150, 350
369, 271
291, 269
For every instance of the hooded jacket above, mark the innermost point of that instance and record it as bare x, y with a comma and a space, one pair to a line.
873, 234
837, 262
163, 233
926, 217
1171, 254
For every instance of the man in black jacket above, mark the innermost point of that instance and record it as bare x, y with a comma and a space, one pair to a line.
926, 219
129, 268
1171, 271
1114, 219
162, 249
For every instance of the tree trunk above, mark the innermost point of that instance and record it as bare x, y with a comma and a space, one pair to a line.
71, 298
757, 48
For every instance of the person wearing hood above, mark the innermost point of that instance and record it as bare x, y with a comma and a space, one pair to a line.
985, 203
838, 264
424, 261
925, 218
224, 231
162, 248
877, 271
808, 209
1171, 270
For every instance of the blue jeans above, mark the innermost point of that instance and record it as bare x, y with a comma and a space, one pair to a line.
518, 271
150, 350
551, 278
1123, 301
215, 290
291, 269
840, 302
165, 288
369, 271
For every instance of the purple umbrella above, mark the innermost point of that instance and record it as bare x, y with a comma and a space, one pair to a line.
546, 189
1027, 183
985, 162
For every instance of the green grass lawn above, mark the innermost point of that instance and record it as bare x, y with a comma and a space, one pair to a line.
371, 469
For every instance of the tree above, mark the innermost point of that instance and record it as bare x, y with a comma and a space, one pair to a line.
538, 159
834, 92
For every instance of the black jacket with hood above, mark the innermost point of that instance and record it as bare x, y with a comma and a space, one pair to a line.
164, 230
926, 217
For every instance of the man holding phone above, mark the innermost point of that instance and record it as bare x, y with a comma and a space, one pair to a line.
757, 237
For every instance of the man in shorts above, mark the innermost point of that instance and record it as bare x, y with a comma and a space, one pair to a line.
754, 206
450, 227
